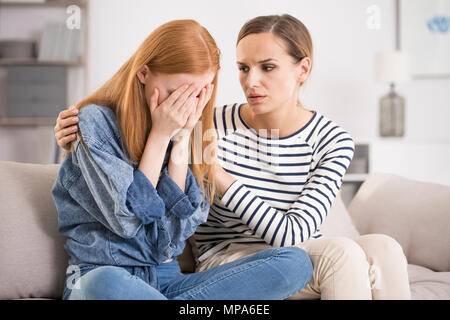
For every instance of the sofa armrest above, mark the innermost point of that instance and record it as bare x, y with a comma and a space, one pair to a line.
416, 214
33, 261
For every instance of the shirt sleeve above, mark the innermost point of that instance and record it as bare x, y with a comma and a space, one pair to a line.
179, 203
125, 198
184, 212
142, 198
122, 198
307, 213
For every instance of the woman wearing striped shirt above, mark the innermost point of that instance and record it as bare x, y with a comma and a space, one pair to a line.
280, 167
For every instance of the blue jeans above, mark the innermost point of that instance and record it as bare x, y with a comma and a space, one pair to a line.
274, 273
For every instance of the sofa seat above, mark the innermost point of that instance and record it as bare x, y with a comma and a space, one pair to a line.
33, 259
427, 284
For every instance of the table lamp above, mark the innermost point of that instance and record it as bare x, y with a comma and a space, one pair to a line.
392, 68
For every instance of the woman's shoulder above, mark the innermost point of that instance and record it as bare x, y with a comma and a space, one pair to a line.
325, 126
96, 112
327, 134
226, 111
98, 123
226, 118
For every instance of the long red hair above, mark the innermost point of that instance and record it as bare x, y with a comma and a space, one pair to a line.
180, 46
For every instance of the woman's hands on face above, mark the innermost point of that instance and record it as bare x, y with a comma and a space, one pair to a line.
186, 114
181, 110
66, 127
196, 113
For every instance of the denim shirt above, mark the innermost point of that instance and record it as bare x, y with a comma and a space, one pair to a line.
110, 212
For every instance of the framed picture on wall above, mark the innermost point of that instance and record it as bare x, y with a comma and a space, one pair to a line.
424, 33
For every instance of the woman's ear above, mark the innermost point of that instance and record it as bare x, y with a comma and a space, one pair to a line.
143, 74
304, 66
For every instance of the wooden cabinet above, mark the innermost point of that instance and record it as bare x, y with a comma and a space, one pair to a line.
34, 91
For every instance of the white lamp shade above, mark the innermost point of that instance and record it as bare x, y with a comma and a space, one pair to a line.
392, 67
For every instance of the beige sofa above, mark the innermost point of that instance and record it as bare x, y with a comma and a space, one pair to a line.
33, 260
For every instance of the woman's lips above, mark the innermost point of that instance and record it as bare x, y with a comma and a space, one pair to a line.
256, 98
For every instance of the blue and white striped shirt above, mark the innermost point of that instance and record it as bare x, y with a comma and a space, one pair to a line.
284, 188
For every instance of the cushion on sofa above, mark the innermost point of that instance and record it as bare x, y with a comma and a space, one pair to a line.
338, 221
414, 213
32, 257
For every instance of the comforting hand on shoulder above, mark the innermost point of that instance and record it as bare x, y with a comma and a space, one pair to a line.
66, 127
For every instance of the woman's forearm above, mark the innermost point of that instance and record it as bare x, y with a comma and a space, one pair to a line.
153, 156
223, 180
178, 162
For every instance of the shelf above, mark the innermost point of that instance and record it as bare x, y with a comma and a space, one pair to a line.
27, 121
355, 177
404, 141
52, 3
36, 62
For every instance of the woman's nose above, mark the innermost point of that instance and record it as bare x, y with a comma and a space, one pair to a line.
253, 79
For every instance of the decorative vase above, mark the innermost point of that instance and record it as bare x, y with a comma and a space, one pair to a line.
392, 114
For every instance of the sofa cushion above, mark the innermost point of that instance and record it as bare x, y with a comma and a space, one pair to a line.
338, 221
33, 259
414, 213
427, 284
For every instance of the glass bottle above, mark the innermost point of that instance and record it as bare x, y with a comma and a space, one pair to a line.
392, 114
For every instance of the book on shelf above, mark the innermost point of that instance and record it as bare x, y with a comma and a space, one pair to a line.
59, 43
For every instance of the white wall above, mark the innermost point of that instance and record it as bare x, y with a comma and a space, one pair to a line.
341, 85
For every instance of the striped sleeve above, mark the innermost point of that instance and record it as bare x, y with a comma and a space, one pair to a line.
308, 212
224, 122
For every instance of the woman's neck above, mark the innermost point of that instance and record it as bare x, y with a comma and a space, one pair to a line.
279, 123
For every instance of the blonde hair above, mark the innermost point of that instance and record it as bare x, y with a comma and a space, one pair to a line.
180, 46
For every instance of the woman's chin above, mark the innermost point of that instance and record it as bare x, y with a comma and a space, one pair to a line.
258, 108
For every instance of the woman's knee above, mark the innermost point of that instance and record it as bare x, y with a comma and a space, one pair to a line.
337, 257
102, 283
296, 266
344, 249
380, 245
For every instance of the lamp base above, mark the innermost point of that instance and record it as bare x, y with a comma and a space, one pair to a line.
392, 115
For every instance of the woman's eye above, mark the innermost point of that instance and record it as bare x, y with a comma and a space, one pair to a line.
243, 69
268, 68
